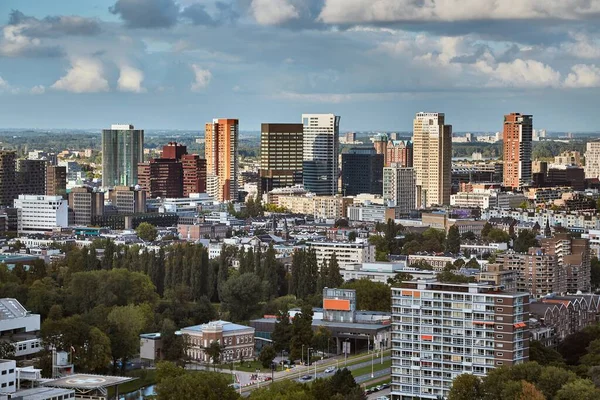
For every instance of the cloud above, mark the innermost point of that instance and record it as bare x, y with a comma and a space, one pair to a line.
519, 74
38, 89
198, 15
582, 46
382, 11
583, 76
54, 26
3, 85
202, 78
14, 43
335, 98
147, 13
85, 76
273, 12
130, 80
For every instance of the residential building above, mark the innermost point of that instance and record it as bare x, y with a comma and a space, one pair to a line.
320, 207
486, 198
173, 151
39, 214
221, 155
43, 155
399, 187
495, 274
517, 150
380, 142
122, 151
573, 255
236, 340
202, 231
539, 273
399, 152
441, 330
86, 203
31, 177
568, 158
566, 175
19, 327
320, 153
592, 160
161, 177
128, 200
483, 248
371, 212
346, 253
438, 262
281, 156
8, 177
362, 171
432, 158
194, 174
56, 180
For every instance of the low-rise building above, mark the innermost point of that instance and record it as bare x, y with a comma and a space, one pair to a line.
483, 248
346, 253
380, 271
236, 340
19, 327
371, 213
438, 262
151, 347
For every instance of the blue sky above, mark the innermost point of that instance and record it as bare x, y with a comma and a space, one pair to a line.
179, 63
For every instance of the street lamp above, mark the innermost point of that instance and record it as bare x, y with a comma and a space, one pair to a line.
302, 356
308, 358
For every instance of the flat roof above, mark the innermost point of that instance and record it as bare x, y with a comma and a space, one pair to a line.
41, 393
332, 324
226, 325
87, 381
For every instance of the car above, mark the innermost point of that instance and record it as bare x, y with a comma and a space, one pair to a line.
385, 385
306, 377
329, 370
379, 387
382, 398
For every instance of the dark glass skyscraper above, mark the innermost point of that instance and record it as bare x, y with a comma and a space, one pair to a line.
280, 156
122, 151
362, 171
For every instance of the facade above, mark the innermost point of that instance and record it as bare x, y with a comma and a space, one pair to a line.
122, 151
320, 153
539, 273
346, 253
37, 214
399, 152
568, 158
381, 271
151, 346
31, 177
362, 171
432, 158
56, 180
194, 174
202, 231
220, 151
592, 160
86, 203
174, 151
281, 156
399, 186
8, 177
128, 200
161, 177
487, 198
371, 213
437, 262
442, 330
321, 207
573, 255
517, 150
237, 340
20, 327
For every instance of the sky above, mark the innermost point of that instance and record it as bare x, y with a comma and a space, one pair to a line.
176, 64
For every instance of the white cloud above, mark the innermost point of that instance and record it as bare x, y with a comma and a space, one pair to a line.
356, 11
334, 98
582, 47
130, 80
38, 89
273, 12
583, 76
3, 85
518, 73
85, 76
202, 78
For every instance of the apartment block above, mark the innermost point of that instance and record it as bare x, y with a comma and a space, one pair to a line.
86, 203
161, 177
56, 180
399, 152
592, 160
399, 187
442, 330
194, 174
321, 207
346, 253
220, 151
573, 255
320, 153
539, 273
128, 200
518, 130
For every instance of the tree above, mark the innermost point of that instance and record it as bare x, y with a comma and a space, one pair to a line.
214, 351
486, 229
341, 223
453, 240
466, 387
146, 232
595, 272
469, 235
530, 392
472, 263
266, 356
42, 295
592, 356
496, 235
124, 327
174, 383
399, 278
282, 333
580, 389
544, 355
451, 277
321, 339
241, 296
174, 345
525, 240
334, 278
96, 354
301, 332
7, 350
553, 378
372, 296
352, 236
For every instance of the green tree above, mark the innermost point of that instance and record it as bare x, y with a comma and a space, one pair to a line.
321, 339
301, 332
453, 240
266, 356
174, 383
544, 355
595, 272
124, 327
399, 278
146, 232
334, 278
95, 355
214, 351
372, 296
283, 390
472, 263
553, 378
42, 295
7, 350
241, 296
580, 389
352, 236
466, 387
525, 240
498, 236
592, 356
282, 333
174, 345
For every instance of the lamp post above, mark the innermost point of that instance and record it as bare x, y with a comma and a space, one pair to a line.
302, 356
372, 358
308, 358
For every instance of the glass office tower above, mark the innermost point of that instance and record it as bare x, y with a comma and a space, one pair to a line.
122, 151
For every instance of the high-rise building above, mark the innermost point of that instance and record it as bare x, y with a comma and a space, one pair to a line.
538, 272
399, 186
8, 177
37, 214
573, 255
56, 180
320, 153
399, 152
362, 171
128, 200
380, 143
280, 156
441, 330
161, 177
194, 174
174, 151
517, 136
432, 158
221, 143
122, 151
86, 203
31, 176
592, 160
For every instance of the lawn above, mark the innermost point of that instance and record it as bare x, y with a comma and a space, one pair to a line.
376, 367
246, 366
145, 377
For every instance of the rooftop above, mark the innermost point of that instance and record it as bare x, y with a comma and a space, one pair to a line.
87, 381
11, 309
225, 325
41, 393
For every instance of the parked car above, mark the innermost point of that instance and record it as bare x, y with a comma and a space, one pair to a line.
329, 370
383, 398
306, 377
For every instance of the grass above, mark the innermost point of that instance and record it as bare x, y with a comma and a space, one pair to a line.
376, 367
253, 366
145, 377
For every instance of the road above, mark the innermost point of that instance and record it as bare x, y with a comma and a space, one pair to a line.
375, 395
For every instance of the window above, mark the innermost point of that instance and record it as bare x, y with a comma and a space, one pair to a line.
499, 300
499, 363
499, 354
499, 336
499, 309
499, 327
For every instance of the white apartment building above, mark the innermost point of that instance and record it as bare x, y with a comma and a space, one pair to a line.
346, 253
432, 159
441, 330
594, 237
481, 248
592, 160
580, 221
20, 327
382, 271
320, 207
320, 153
400, 187
486, 198
371, 213
41, 213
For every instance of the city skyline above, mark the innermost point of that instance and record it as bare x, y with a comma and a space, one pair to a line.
80, 64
